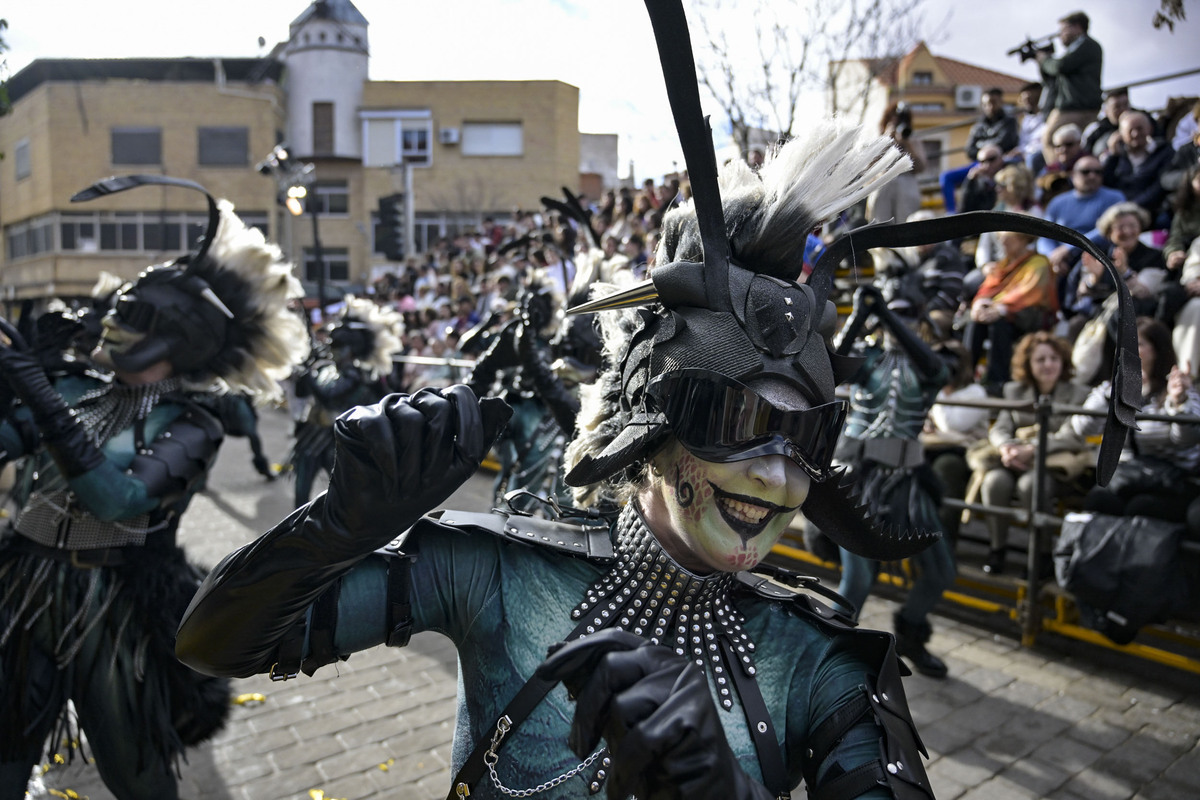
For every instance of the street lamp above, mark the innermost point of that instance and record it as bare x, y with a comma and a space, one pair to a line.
294, 179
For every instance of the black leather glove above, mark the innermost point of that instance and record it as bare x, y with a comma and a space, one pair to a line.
397, 459
394, 461
65, 439
654, 709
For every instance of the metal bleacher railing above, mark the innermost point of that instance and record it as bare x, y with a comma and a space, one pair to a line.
1038, 605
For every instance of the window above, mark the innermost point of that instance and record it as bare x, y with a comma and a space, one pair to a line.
21, 157
29, 239
415, 138
933, 156
224, 147
322, 128
337, 264
492, 139
331, 197
928, 107
137, 145
921, 79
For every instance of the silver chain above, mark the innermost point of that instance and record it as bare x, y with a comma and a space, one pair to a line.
491, 758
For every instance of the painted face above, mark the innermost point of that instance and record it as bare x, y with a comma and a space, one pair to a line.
114, 338
722, 517
1045, 365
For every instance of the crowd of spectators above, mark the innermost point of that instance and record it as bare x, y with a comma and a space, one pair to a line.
1034, 316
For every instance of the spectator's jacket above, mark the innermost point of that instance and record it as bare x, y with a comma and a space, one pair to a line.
1002, 132
1076, 76
1140, 184
1176, 442
1061, 436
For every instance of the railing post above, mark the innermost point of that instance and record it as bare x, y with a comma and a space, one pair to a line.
1031, 617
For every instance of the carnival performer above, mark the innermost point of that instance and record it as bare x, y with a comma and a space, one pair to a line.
93, 583
352, 372
890, 398
714, 422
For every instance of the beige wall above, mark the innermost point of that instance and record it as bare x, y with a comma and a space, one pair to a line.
548, 111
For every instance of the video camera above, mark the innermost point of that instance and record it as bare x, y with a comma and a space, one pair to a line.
1029, 48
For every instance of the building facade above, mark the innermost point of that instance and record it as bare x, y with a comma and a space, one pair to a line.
459, 151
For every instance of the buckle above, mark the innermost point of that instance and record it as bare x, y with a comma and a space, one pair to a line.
277, 676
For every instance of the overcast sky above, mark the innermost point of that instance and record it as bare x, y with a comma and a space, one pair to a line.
605, 47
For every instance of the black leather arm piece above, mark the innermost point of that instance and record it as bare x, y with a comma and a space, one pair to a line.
394, 461
558, 398
180, 455
66, 440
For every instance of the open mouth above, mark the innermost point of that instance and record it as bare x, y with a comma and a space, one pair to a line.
746, 516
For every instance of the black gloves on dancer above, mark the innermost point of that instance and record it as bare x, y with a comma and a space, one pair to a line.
654, 709
65, 439
394, 461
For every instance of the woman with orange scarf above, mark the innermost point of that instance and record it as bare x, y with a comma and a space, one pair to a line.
1017, 297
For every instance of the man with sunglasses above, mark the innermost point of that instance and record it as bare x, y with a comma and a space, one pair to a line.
94, 583
1078, 209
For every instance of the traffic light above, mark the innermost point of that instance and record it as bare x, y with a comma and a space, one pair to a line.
391, 226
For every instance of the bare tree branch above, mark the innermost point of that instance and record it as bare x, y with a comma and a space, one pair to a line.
799, 49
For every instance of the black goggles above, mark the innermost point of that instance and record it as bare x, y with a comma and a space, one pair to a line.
720, 419
136, 315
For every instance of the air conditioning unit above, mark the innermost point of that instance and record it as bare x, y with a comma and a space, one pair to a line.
967, 96
448, 135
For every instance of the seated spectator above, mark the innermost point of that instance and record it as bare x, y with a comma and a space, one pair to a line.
995, 126
1153, 477
1079, 209
931, 272
1135, 167
1186, 125
1041, 367
900, 197
979, 189
950, 430
1067, 150
1185, 228
1142, 266
1029, 149
1097, 135
1186, 333
1014, 192
1017, 297
1186, 159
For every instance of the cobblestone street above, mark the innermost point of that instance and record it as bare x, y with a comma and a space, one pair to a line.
1009, 722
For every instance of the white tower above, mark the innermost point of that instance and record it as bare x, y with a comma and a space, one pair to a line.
326, 56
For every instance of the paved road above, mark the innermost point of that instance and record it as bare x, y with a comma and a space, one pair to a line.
1067, 722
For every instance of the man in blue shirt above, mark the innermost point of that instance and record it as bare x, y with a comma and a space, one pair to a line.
1078, 209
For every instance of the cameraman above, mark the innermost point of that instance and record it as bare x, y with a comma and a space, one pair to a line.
902, 196
1075, 76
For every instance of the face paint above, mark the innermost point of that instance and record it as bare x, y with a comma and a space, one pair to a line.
114, 338
723, 516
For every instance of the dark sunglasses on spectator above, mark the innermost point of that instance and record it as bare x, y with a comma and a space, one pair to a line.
720, 419
1089, 172
990, 159
1066, 144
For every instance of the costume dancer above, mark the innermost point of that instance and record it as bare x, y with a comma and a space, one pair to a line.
361, 344
881, 449
93, 584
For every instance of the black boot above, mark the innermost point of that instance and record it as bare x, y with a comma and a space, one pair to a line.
910, 643
995, 561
